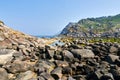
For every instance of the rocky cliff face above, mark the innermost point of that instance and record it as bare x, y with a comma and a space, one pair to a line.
94, 27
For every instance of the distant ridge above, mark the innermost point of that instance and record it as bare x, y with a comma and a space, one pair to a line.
106, 26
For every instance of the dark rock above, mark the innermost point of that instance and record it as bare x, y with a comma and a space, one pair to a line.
3, 74
112, 58
50, 54
68, 56
115, 73
57, 73
91, 62
108, 76
97, 51
117, 62
58, 57
42, 56
47, 76
118, 53
67, 70
95, 76
74, 67
88, 69
79, 77
83, 53
44, 66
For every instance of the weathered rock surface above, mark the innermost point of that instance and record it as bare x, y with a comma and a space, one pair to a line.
3, 74
6, 55
28, 75
18, 66
57, 73
82, 53
23, 57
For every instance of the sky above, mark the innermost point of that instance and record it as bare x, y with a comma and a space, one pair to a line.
49, 17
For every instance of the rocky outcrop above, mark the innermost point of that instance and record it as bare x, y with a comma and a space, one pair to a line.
6, 55
94, 27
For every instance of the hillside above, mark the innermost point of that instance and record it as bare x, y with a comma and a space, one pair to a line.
94, 27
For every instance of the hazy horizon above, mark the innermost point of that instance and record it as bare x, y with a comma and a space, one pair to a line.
49, 17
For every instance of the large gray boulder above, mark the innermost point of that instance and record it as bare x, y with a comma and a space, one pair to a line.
83, 53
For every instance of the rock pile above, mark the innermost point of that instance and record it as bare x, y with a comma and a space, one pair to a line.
98, 61
23, 57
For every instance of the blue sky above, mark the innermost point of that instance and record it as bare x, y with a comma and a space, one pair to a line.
49, 17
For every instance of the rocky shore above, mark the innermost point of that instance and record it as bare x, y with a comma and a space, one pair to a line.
23, 57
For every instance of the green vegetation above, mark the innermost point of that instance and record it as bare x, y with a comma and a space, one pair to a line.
90, 40
101, 24
111, 40
93, 27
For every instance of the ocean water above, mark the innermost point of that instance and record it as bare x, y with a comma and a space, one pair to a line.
44, 36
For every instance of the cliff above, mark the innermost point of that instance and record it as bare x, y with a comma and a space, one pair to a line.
94, 27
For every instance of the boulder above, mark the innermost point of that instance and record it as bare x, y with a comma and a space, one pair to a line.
107, 76
50, 53
79, 77
113, 49
112, 58
95, 76
44, 66
116, 73
83, 53
3, 74
18, 56
57, 73
28, 75
68, 56
18, 66
67, 70
6, 55
61, 63
58, 55
47, 76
